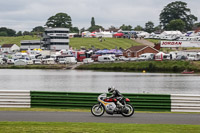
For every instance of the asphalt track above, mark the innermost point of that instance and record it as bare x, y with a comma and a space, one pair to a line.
139, 118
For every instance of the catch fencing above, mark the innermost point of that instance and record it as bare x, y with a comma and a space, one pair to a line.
15, 99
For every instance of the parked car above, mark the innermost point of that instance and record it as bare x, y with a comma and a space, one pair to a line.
1, 61
133, 59
48, 61
37, 61
122, 58
95, 57
10, 61
88, 60
62, 61
181, 57
29, 62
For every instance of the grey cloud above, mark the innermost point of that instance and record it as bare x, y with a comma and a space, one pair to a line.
26, 14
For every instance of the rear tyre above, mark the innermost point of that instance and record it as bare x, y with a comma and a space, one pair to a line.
97, 110
128, 110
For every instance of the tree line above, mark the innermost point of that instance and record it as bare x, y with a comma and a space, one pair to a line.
175, 16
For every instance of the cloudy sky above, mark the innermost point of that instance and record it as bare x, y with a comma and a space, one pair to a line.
22, 15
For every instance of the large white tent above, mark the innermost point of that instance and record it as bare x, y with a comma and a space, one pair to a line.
171, 33
104, 34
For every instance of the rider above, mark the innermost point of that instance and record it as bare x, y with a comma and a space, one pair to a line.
116, 94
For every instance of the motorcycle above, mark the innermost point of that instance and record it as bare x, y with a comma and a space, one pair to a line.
110, 106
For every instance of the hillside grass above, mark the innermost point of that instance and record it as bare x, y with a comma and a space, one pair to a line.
148, 66
109, 43
72, 127
77, 43
17, 39
154, 40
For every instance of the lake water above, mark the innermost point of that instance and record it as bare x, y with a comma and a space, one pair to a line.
93, 81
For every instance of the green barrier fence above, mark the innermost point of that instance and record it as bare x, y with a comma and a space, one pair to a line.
145, 102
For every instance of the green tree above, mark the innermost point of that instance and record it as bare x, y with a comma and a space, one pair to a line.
126, 27
19, 33
138, 28
92, 22
26, 33
95, 28
149, 27
158, 28
177, 10
74, 30
3, 33
38, 29
7, 32
113, 28
176, 24
61, 20
82, 30
196, 25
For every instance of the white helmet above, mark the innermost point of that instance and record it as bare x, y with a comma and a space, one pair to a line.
111, 89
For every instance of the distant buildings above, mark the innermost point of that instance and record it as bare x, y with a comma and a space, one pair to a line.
136, 51
56, 38
53, 39
30, 44
9, 48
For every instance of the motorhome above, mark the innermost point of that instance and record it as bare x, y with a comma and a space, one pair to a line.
48, 61
194, 56
71, 60
106, 58
146, 56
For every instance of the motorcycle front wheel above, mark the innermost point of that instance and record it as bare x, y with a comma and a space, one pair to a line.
128, 110
97, 110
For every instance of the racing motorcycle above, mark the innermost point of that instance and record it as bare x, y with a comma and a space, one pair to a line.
110, 106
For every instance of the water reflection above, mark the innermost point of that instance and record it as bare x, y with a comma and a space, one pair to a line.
92, 81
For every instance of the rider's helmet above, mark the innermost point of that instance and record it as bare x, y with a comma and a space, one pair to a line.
111, 89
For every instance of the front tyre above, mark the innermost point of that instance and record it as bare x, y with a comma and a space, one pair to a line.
128, 110
97, 110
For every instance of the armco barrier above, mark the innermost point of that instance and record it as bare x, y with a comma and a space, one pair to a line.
148, 102
14, 99
185, 103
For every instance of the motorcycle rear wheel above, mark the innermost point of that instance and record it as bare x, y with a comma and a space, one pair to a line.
128, 110
97, 110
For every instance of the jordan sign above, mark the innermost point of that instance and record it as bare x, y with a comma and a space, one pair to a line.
174, 44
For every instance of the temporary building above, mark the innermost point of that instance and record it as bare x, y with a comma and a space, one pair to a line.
118, 34
171, 33
104, 34
112, 51
143, 34
86, 34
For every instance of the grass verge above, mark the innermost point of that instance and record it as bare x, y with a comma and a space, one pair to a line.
78, 110
66, 127
148, 66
